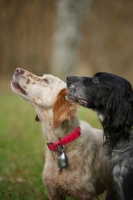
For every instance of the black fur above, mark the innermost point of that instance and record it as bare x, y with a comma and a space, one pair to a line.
111, 96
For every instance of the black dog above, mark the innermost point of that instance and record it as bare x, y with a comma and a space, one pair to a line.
111, 97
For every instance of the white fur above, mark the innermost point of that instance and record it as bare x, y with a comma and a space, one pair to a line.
88, 171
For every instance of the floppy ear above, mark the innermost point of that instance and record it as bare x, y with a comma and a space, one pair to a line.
62, 108
118, 115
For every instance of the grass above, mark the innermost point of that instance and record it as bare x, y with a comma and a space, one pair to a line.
22, 148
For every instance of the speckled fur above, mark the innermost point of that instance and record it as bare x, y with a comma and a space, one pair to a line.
111, 97
88, 171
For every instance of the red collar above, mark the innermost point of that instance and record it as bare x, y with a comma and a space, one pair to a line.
67, 139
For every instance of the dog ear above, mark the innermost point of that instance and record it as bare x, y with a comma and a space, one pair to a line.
119, 115
62, 108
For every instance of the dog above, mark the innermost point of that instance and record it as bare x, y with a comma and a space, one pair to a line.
111, 97
75, 163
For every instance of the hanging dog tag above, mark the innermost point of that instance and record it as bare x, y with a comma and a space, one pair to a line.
62, 158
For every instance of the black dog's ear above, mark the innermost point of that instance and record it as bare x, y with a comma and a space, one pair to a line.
118, 115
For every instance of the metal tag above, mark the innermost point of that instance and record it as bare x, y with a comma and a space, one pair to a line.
62, 158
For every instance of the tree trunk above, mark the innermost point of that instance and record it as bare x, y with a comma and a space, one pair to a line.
67, 36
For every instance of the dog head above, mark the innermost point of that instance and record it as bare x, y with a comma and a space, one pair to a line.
39, 91
46, 92
110, 96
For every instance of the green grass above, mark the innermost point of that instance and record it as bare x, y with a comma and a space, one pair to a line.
22, 148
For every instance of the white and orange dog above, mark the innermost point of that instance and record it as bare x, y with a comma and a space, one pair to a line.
76, 164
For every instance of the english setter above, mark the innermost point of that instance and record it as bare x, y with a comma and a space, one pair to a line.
111, 97
75, 163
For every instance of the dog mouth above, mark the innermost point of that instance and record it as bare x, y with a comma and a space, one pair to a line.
81, 102
17, 87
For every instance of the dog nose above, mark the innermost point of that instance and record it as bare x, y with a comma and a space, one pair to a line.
69, 79
19, 71
72, 79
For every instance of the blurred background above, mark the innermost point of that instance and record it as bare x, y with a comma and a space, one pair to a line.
83, 36
61, 37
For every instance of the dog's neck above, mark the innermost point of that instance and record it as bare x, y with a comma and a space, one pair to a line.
52, 133
101, 115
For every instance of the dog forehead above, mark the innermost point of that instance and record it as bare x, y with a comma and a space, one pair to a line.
113, 80
49, 77
54, 80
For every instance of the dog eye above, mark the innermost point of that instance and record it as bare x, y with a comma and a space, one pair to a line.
46, 80
95, 80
